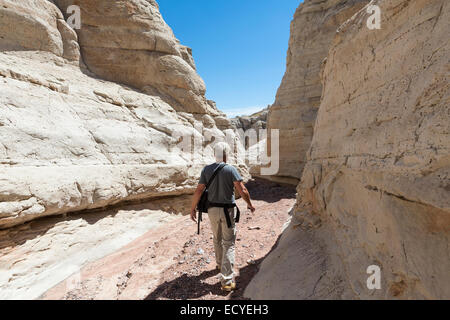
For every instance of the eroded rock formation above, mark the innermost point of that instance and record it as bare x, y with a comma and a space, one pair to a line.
298, 98
69, 141
378, 172
127, 41
374, 189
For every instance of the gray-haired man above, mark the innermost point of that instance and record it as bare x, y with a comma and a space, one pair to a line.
221, 199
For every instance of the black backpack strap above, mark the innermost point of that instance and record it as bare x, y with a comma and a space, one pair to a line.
226, 207
238, 215
216, 172
227, 217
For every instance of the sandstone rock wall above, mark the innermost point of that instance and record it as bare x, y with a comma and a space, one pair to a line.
70, 141
298, 98
379, 164
378, 172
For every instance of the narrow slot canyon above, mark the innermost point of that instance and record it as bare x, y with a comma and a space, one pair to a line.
106, 127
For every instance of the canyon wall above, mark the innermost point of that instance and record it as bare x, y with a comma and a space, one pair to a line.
71, 141
91, 118
295, 109
375, 188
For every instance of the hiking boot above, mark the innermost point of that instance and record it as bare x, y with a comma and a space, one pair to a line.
229, 287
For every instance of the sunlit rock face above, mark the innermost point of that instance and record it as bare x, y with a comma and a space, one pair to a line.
128, 41
377, 176
298, 98
70, 141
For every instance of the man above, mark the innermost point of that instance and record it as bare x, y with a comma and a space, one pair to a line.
221, 192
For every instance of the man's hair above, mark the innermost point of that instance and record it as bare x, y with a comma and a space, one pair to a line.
221, 151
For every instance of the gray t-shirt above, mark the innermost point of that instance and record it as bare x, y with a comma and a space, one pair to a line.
221, 189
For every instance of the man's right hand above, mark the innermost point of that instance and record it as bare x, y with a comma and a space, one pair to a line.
194, 215
245, 195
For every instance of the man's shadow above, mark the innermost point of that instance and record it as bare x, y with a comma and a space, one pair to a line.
186, 287
193, 287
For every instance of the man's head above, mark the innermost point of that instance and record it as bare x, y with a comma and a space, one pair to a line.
221, 151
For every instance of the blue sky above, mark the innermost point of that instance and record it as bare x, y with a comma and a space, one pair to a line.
239, 47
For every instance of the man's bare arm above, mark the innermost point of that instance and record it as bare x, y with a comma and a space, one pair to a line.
244, 194
195, 199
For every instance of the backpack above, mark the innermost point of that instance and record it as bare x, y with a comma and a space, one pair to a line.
203, 204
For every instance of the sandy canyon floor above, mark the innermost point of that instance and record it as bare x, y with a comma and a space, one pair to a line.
165, 260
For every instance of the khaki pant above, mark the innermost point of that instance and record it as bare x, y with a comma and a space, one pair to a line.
224, 242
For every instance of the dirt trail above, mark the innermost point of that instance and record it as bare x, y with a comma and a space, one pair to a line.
173, 262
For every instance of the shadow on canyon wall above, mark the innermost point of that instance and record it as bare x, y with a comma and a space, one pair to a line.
275, 194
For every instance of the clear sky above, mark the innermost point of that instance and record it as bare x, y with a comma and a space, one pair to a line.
239, 47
